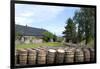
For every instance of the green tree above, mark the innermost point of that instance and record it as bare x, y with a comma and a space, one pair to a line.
54, 38
47, 36
78, 19
18, 36
85, 18
70, 30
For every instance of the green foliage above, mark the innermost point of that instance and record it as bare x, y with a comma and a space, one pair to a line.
47, 36
51, 44
85, 18
70, 30
18, 36
54, 38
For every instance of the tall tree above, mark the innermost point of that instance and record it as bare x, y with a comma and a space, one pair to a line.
78, 19
85, 18
70, 30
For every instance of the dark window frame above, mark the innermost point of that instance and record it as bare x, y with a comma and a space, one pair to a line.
12, 30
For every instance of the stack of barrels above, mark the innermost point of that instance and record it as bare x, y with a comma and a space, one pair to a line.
79, 55
41, 57
16, 57
86, 55
54, 56
31, 56
69, 55
51, 56
92, 55
60, 56
22, 56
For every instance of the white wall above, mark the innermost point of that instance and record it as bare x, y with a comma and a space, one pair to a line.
5, 34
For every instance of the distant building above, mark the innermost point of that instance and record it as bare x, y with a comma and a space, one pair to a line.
28, 34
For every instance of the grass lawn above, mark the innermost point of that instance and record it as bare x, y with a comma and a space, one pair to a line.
91, 44
38, 45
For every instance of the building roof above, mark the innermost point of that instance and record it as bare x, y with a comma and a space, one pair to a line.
29, 31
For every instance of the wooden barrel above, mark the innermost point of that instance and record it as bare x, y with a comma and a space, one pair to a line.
41, 57
86, 55
51, 56
31, 56
79, 55
60, 56
92, 55
22, 56
69, 56
16, 57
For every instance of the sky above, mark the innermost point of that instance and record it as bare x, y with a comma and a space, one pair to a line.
51, 18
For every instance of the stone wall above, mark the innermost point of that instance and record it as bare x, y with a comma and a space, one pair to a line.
28, 39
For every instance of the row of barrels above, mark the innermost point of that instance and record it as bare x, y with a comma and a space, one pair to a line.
53, 56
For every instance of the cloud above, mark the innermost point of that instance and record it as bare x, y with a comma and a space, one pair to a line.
31, 13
